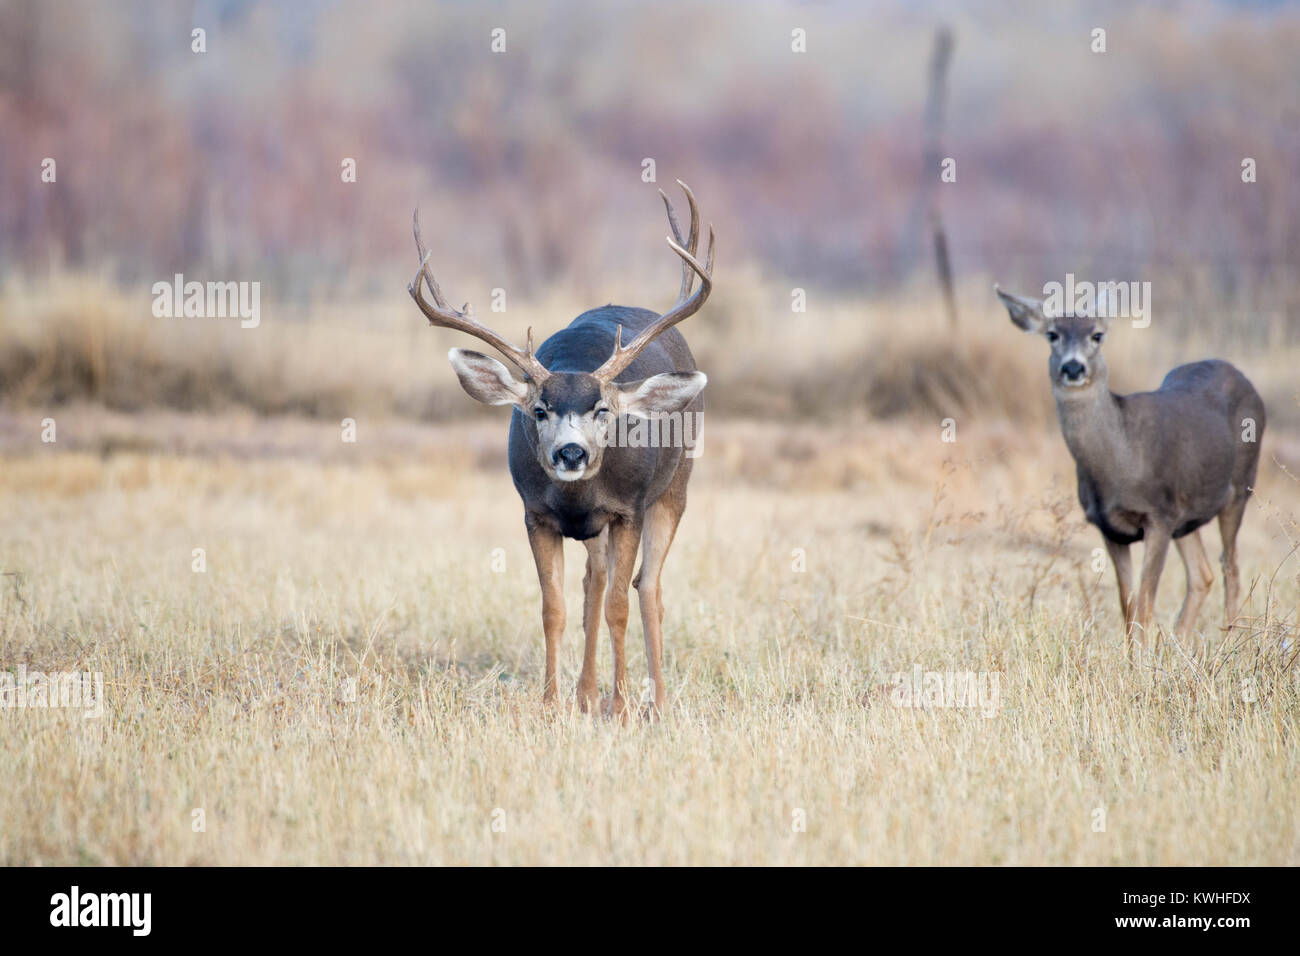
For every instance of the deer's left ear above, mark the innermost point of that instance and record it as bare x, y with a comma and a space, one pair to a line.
660, 394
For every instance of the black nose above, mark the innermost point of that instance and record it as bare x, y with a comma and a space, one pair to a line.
1073, 370
571, 455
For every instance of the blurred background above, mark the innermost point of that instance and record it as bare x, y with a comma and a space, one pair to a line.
820, 170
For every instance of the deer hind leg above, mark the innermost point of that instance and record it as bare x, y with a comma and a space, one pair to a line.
1229, 524
1122, 559
623, 539
593, 592
548, 555
1199, 578
1155, 548
656, 538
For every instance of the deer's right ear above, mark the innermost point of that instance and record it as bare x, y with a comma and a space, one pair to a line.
487, 380
1025, 313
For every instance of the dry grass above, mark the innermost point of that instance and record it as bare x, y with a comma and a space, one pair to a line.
225, 689
78, 339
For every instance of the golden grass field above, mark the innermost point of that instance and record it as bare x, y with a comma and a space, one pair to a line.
227, 690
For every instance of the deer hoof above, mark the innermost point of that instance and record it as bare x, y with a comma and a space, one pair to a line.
589, 701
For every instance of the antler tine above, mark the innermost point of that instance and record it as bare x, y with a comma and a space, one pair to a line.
686, 305
424, 260
688, 276
440, 314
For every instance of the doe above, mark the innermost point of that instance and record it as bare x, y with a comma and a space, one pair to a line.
1153, 466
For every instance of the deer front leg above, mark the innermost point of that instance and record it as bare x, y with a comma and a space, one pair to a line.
1122, 560
548, 554
1155, 546
656, 538
624, 536
593, 591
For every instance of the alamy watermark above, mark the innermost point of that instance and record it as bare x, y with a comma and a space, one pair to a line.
130, 910
948, 689
1098, 300
211, 300
662, 430
62, 690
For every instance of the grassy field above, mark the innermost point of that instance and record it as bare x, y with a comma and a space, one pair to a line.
355, 676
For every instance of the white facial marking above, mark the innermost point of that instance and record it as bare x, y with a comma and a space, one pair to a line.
568, 431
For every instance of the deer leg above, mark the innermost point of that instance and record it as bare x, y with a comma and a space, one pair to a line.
1199, 578
548, 555
656, 538
1155, 547
624, 536
1122, 559
593, 590
1229, 524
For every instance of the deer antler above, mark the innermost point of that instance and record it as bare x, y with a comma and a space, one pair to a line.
439, 313
686, 305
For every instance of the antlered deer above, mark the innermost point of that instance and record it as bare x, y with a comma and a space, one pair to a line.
576, 480
1153, 466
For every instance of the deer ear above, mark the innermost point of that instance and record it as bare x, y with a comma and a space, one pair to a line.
1025, 313
487, 380
660, 394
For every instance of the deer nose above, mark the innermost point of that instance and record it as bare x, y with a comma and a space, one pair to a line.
572, 456
1073, 370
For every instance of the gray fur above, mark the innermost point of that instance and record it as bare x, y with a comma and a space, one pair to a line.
1151, 466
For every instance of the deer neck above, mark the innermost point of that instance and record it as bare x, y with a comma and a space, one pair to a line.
1092, 424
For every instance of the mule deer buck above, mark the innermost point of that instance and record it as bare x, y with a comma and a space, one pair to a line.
1153, 466
576, 479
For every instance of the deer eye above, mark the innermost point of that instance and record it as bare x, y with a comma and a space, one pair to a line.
1053, 337
1098, 336
602, 414
539, 413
